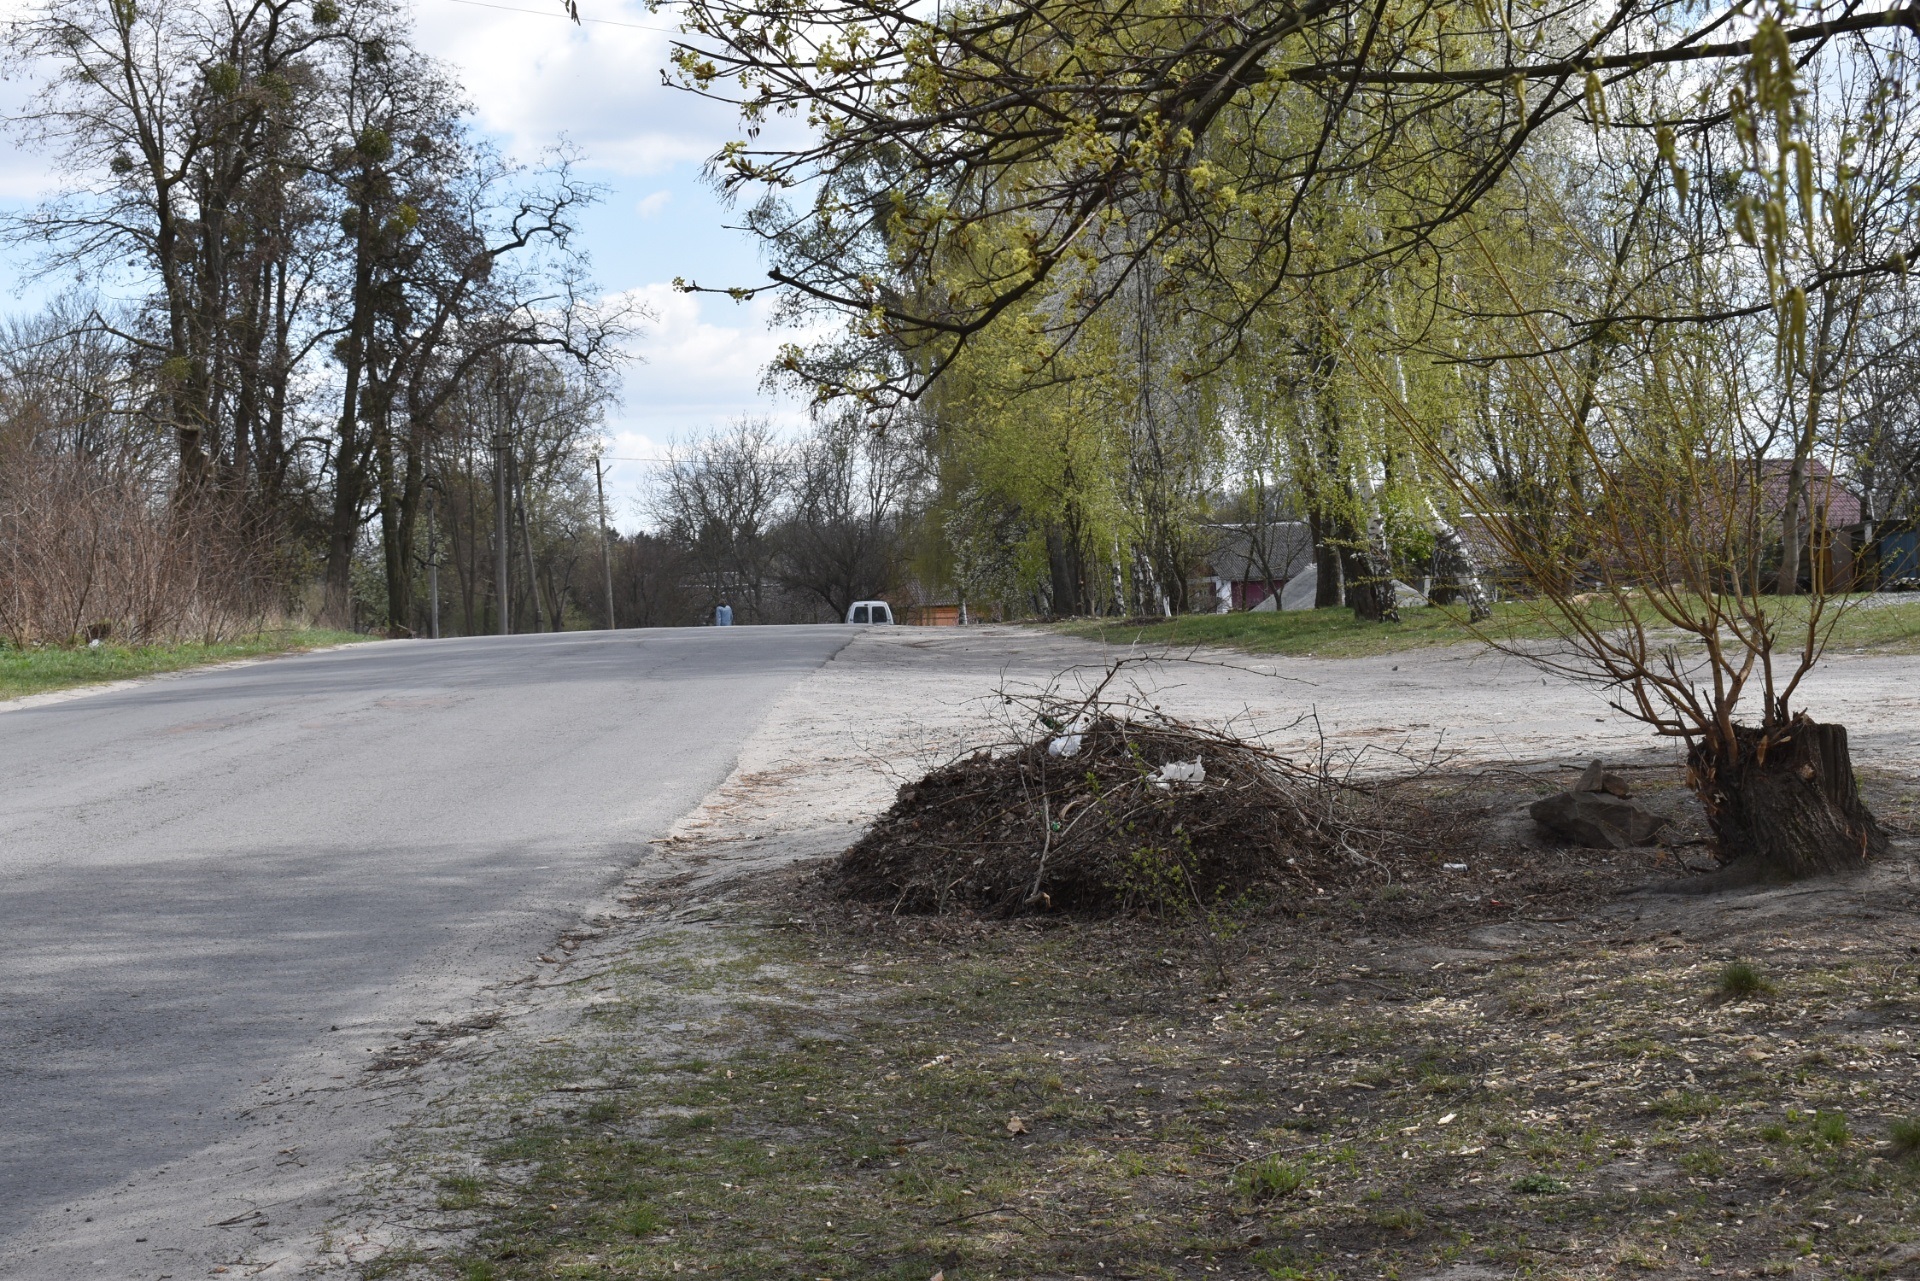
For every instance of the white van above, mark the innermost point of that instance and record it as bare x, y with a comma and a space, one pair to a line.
870, 611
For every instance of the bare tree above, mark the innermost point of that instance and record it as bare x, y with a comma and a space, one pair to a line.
721, 497
89, 547
853, 490
182, 128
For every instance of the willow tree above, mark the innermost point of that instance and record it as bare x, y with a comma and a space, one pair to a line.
1044, 460
958, 159
1274, 160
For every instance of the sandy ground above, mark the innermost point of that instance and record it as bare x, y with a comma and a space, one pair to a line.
895, 702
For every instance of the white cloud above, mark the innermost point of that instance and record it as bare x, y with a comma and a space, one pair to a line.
534, 77
704, 357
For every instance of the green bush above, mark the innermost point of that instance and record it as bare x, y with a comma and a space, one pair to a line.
1740, 979
1538, 1184
640, 1221
1269, 1179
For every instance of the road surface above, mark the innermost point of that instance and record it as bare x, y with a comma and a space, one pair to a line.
220, 891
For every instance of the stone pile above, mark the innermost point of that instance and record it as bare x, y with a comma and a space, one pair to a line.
1598, 812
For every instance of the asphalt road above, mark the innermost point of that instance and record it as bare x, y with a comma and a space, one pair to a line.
215, 888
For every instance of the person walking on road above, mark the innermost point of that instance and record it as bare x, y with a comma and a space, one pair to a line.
723, 615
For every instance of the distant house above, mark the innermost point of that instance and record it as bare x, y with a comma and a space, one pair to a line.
1897, 546
1831, 529
1247, 567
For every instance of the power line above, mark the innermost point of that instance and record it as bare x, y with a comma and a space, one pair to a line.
550, 13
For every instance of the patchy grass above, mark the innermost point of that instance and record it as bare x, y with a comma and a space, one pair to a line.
1738, 979
1888, 626
1269, 1178
1885, 626
773, 1087
42, 669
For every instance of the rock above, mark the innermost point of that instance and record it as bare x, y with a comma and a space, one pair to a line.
1596, 779
1597, 820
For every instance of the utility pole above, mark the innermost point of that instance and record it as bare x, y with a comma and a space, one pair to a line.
606, 549
433, 557
519, 484
502, 444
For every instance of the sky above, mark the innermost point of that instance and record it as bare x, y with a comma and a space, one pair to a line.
534, 79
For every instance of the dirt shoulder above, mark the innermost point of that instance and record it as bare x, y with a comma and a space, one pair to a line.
1537, 1065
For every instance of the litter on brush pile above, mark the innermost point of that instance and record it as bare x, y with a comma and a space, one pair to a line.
1099, 810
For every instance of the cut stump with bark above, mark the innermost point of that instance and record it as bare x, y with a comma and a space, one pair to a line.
1784, 801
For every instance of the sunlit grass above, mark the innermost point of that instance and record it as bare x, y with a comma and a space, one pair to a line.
42, 669
1335, 633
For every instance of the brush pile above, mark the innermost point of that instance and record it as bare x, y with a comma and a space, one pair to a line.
1112, 813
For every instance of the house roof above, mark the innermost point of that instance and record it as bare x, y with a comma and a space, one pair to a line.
1823, 490
1234, 552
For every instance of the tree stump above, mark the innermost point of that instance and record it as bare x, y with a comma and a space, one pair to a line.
1784, 801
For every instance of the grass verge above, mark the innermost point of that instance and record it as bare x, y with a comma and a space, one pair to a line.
770, 1088
43, 669
1335, 633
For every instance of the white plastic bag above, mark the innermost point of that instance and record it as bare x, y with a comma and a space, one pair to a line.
1179, 772
1067, 744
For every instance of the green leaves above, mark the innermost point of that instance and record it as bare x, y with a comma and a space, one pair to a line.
223, 79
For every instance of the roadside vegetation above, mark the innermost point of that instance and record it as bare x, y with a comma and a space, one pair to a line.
1887, 626
42, 669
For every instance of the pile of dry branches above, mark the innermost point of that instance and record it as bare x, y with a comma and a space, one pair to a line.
1103, 810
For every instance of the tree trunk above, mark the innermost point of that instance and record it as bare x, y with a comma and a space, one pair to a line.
1369, 576
349, 474
1061, 570
403, 484
1788, 581
1784, 802
1328, 584
1456, 568
1370, 590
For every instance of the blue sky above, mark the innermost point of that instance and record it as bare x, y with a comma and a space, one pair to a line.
535, 77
